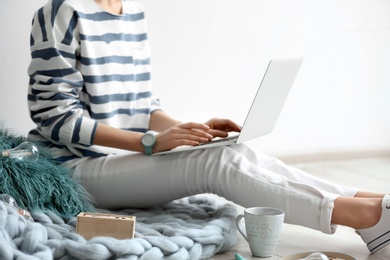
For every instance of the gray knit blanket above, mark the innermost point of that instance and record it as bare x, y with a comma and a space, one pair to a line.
196, 227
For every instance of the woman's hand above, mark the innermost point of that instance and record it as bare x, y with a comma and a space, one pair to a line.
182, 134
221, 127
193, 133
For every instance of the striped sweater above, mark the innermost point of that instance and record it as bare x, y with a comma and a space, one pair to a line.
87, 66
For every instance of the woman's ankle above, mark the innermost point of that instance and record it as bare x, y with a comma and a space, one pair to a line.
370, 213
357, 213
367, 194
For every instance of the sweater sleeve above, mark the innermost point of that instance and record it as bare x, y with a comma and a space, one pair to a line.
55, 83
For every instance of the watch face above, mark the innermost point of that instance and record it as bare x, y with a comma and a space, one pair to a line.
148, 140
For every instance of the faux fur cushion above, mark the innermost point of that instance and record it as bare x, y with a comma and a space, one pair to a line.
41, 185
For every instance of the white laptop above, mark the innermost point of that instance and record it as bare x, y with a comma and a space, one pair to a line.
266, 106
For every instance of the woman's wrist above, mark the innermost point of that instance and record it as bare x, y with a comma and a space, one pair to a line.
118, 138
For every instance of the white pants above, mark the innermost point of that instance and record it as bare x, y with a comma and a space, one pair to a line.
237, 173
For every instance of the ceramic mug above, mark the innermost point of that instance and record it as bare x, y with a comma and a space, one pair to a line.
263, 226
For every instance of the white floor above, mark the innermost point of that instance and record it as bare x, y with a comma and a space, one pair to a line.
368, 174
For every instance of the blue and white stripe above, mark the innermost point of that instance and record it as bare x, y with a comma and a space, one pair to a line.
88, 66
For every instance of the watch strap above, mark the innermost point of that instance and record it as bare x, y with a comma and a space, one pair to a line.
148, 149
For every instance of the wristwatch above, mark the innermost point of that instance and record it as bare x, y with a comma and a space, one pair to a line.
148, 141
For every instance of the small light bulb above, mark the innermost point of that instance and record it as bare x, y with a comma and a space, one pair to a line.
24, 150
12, 203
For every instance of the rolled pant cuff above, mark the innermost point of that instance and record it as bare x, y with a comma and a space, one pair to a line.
327, 207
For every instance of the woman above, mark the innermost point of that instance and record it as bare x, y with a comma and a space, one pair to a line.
90, 95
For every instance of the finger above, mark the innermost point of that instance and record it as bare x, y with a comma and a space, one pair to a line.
218, 133
193, 125
203, 134
182, 141
195, 136
175, 139
229, 126
196, 129
179, 133
226, 125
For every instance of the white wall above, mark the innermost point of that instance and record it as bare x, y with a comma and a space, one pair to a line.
205, 48
15, 25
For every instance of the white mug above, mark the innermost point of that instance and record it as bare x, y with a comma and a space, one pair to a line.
263, 226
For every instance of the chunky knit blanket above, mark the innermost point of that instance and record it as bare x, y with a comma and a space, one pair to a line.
192, 228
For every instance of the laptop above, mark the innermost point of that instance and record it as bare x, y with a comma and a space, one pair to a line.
266, 106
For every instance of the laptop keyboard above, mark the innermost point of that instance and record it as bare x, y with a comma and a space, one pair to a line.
220, 140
